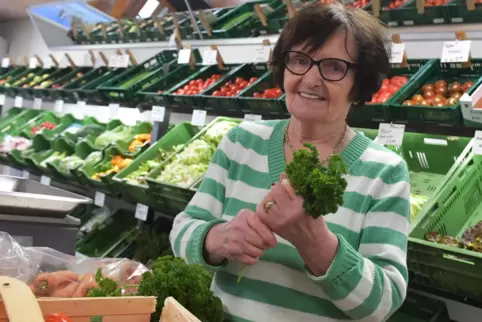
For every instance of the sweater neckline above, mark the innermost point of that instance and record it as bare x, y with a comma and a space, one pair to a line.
276, 156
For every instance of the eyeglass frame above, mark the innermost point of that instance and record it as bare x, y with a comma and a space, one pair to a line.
350, 65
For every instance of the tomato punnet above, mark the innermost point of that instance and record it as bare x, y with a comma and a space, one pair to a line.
58, 317
196, 86
233, 88
440, 93
389, 87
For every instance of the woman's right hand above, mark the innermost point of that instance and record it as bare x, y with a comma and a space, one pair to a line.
244, 239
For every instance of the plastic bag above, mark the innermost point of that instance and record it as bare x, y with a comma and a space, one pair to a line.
50, 273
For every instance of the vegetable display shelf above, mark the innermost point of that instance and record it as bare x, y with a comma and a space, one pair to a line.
178, 196
177, 99
37, 162
429, 172
123, 87
249, 103
131, 181
17, 123
47, 125
432, 72
12, 113
223, 102
454, 264
188, 31
8, 75
50, 92
24, 78
407, 15
36, 87
457, 12
380, 112
419, 308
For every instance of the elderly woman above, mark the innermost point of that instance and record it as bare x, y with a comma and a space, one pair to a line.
348, 265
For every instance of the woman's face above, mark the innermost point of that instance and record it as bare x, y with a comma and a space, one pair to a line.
312, 98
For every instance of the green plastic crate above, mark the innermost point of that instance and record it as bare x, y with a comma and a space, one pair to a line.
407, 15
457, 207
419, 308
123, 87
61, 123
52, 92
12, 113
432, 160
36, 88
34, 161
139, 128
89, 92
137, 192
228, 106
249, 104
185, 103
177, 195
380, 112
6, 77
433, 71
19, 121
457, 12
23, 78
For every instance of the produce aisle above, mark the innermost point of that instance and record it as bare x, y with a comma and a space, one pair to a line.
130, 114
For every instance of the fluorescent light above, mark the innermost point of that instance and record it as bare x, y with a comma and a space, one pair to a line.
148, 8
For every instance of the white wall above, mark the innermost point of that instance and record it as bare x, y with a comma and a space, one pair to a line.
23, 39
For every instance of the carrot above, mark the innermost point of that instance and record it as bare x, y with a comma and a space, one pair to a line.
45, 284
86, 283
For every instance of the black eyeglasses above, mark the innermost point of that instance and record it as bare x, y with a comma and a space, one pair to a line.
331, 69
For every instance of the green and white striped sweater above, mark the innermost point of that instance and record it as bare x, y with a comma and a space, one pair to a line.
367, 280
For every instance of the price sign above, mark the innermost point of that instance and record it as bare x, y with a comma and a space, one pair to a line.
48, 63
37, 103
477, 147
32, 63
87, 61
99, 199
113, 111
210, 57
141, 212
25, 174
114, 61
198, 117
456, 51
398, 50
157, 113
59, 106
262, 54
5, 62
252, 117
123, 61
80, 110
172, 40
184, 56
45, 180
390, 134
18, 101
2, 99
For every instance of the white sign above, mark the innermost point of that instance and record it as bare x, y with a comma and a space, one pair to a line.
184, 56
262, 54
113, 111
398, 50
80, 110
456, 51
87, 60
123, 61
37, 103
210, 57
390, 134
47, 63
157, 113
99, 199
198, 117
45, 180
32, 63
141, 212
18, 101
5, 62
25, 174
477, 147
59, 106
172, 40
114, 61
2, 99
252, 117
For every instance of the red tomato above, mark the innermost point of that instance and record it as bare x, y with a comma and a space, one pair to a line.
217, 93
253, 79
243, 84
257, 95
233, 88
58, 317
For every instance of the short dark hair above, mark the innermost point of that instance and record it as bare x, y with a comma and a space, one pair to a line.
314, 24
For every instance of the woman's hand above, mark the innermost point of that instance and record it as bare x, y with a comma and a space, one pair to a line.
282, 211
244, 239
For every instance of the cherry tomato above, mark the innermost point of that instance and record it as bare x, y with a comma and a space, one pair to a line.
257, 95
253, 79
216, 93
58, 317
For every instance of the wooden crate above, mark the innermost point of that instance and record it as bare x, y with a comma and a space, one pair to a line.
20, 305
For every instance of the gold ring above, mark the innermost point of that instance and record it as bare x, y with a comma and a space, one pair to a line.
269, 204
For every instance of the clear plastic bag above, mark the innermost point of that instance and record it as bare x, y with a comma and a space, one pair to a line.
50, 273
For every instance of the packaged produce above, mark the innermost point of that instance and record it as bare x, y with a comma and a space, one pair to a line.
196, 86
389, 87
11, 143
440, 93
116, 164
233, 88
70, 163
122, 132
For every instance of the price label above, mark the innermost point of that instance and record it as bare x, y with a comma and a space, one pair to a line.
252, 117
5, 62
87, 61
32, 63
141, 212
390, 134
47, 63
99, 199
59, 106
477, 147
398, 50
198, 117
2, 99
157, 113
45, 180
210, 57
172, 40
184, 56
25, 174
113, 111
37, 103
80, 110
114, 61
18, 101
123, 61
262, 54
456, 51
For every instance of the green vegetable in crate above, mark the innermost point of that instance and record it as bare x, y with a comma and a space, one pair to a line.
70, 163
107, 287
236, 20
182, 175
135, 79
122, 132
93, 157
55, 156
90, 129
188, 284
216, 132
416, 203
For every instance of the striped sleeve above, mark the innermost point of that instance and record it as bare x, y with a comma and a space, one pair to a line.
204, 211
370, 284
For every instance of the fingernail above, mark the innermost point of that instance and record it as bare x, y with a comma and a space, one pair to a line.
285, 181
